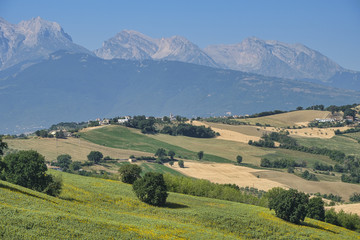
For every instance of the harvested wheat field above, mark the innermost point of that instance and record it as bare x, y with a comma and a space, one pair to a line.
296, 118
349, 208
345, 190
244, 176
227, 173
77, 148
316, 132
227, 133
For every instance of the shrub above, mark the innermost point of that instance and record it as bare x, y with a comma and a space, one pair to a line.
54, 186
151, 189
355, 197
129, 173
181, 163
200, 155
238, 159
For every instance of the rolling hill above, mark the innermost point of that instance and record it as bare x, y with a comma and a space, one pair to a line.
91, 208
77, 87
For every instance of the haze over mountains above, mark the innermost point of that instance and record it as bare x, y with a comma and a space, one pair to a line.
136, 74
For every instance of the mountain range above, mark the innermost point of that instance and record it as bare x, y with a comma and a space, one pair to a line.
46, 78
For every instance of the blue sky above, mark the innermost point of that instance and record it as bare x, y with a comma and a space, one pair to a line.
328, 26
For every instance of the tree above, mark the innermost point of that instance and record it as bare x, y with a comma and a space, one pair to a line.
95, 156
60, 134
130, 173
181, 163
171, 163
64, 161
290, 205
75, 166
171, 154
28, 169
238, 159
151, 189
355, 197
349, 112
3, 146
200, 155
160, 152
315, 209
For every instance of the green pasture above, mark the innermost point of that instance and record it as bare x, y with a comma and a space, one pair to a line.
126, 138
341, 143
91, 208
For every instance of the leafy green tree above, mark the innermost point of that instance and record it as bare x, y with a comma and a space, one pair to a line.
200, 155
151, 189
129, 173
54, 186
42, 133
75, 166
160, 152
171, 154
315, 209
239, 159
355, 197
3, 146
290, 205
171, 163
64, 161
95, 156
349, 112
60, 134
28, 169
181, 163
166, 119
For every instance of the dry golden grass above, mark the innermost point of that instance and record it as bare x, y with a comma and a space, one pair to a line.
227, 173
316, 132
296, 118
244, 176
229, 132
349, 208
77, 148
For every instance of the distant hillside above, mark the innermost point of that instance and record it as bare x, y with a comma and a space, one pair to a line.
289, 119
78, 87
90, 208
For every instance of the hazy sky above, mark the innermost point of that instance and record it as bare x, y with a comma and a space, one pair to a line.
328, 26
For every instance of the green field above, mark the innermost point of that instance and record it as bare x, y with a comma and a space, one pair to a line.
216, 150
126, 138
91, 208
153, 167
341, 143
355, 136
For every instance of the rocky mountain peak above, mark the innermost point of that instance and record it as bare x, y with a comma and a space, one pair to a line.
32, 40
274, 58
129, 44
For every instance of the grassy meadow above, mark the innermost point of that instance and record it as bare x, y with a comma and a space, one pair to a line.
91, 208
126, 138
341, 143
